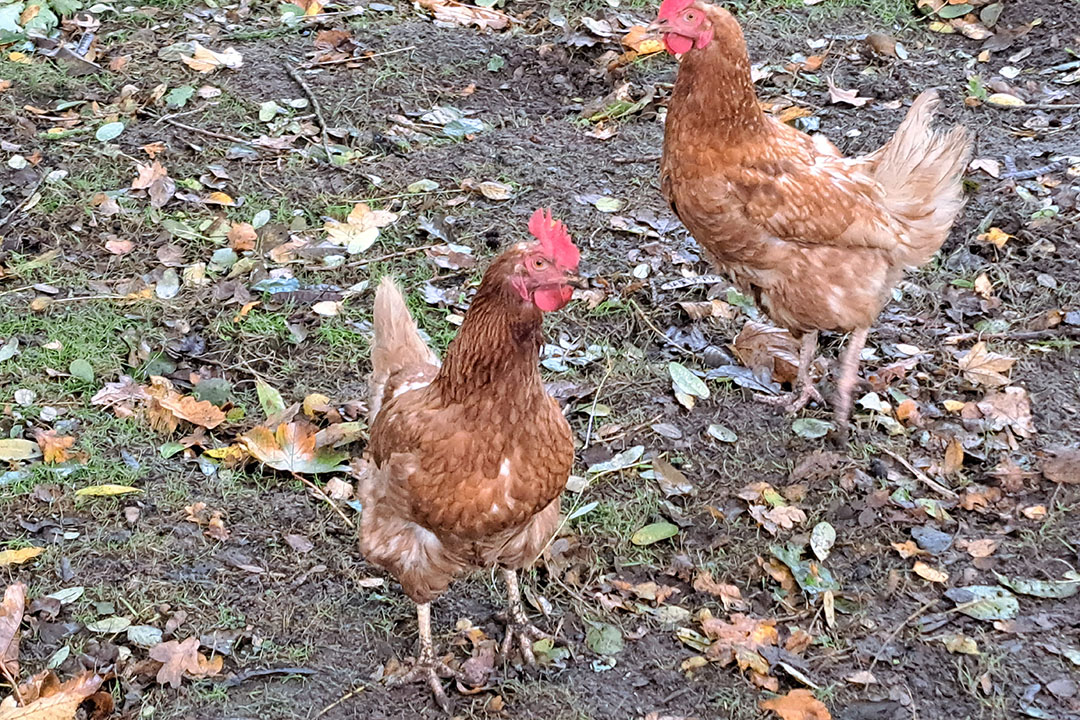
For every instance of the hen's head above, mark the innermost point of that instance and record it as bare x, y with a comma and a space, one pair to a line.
543, 272
685, 25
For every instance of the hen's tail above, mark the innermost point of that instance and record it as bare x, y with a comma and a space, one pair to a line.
398, 354
921, 170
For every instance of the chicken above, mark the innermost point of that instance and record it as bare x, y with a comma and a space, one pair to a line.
817, 239
470, 457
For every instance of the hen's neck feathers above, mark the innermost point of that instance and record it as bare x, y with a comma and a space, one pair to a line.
714, 87
498, 344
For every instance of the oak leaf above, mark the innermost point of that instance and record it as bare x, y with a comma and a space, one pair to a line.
46, 698
799, 704
183, 658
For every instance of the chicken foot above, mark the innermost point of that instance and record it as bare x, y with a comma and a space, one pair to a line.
804, 390
427, 667
518, 628
845, 385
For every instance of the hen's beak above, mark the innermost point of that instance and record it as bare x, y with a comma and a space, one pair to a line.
576, 281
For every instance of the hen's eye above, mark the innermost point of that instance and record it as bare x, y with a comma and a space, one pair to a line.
691, 16
539, 263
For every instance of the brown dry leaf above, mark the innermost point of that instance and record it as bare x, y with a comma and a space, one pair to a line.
981, 548
786, 517
54, 448
1034, 512
1009, 408
119, 247
995, 236
799, 641
455, 13
183, 658
205, 60
197, 412
242, 237
767, 347
216, 527
799, 704
954, 457
1062, 465
155, 180
11, 615
983, 287
708, 309
740, 640
991, 167
908, 549
927, 572
728, 594
52, 700
851, 97
982, 367
153, 149
642, 41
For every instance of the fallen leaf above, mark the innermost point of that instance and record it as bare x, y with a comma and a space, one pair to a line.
740, 640
799, 704
1005, 100
984, 602
729, 595
11, 615
767, 348
57, 701
639, 39
54, 448
930, 573
183, 658
981, 548
360, 230
450, 12
154, 178
291, 448
851, 97
18, 449
106, 490
654, 533
205, 60
908, 549
1009, 408
20, 556
982, 367
1062, 465
960, 643
992, 168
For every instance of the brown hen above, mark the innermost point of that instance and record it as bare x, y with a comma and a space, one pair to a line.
817, 239
470, 458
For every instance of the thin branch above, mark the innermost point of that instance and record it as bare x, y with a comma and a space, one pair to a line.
921, 476
658, 331
342, 61
319, 493
295, 75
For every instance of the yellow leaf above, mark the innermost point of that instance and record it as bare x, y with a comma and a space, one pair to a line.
31, 12
642, 41
953, 406
18, 557
314, 403
19, 58
219, 198
996, 237
18, 449
106, 490
245, 310
930, 573
1005, 100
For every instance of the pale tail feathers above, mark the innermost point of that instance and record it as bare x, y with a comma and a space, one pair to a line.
398, 353
921, 170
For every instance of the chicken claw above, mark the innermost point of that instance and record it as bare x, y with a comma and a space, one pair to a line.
794, 402
427, 668
518, 627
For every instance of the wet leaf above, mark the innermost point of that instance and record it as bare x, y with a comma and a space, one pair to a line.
687, 382
291, 448
812, 577
270, 399
604, 639
984, 602
672, 482
799, 704
109, 131
107, 490
20, 556
109, 625
18, 449
722, 433
654, 532
822, 538
1056, 589
811, 428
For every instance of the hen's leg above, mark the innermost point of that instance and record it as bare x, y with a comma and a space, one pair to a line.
518, 627
804, 387
428, 668
849, 374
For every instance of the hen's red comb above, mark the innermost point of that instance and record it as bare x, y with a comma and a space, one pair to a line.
671, 8
554, 238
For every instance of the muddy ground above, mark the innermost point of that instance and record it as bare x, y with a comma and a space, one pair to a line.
315, 610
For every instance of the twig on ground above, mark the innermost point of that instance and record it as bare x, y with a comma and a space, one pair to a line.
642, 159
210, 133
1060, 164
596, 399
19, 206
921, 476
896, 631
320, 493
342, 61
295, 75
355, 691
1018, 335
658, 331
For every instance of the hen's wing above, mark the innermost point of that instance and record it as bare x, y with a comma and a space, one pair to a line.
797, 193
